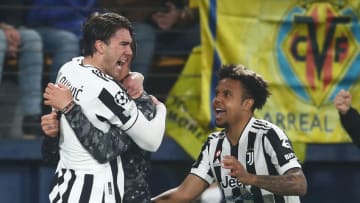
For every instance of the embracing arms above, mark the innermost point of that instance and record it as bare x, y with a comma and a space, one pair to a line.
103, 146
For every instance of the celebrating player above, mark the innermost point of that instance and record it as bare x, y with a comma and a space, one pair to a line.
106, 104
104, 146
251, 159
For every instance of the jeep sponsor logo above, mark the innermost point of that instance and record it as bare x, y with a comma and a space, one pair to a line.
231, 182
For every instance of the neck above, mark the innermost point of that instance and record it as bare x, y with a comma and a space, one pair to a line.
234, 131
92, 61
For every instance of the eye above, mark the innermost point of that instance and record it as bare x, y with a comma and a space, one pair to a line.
124, 43
227, 93
216, 92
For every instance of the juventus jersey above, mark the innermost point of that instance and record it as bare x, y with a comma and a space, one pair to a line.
263, 149
79, 177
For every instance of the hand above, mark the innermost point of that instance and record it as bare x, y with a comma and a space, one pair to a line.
165, 20
50, 124
236, 169
134, 84
13, 39
342, 101
58, 96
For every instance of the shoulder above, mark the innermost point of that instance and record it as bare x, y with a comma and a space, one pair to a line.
268, 131
87, 74
214, 137
212, 140
72, 64
91, 81
274, 135
266, 126
261, 124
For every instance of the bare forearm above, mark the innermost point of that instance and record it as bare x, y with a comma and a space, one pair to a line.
188, 190
292, 183
170, 196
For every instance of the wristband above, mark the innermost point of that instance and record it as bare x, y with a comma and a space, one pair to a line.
68, 107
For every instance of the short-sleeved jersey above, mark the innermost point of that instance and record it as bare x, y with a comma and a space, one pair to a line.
104, 102
263, 149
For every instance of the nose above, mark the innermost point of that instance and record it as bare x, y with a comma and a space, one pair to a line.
215, 100
129, 50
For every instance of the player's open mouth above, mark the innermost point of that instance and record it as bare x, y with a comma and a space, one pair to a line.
219, 112
121, 62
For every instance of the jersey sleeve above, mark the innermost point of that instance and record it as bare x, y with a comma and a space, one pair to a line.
351, 123
105, 146
278, 146
50, 150
114, 107
148, 134
201, 167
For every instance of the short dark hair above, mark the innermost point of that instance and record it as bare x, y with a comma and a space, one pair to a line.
102, 26
254, 85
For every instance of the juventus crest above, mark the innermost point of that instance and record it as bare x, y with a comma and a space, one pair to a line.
250, 157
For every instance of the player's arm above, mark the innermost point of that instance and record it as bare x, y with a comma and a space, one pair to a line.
190, 189
293, 182
148, 134
349, 117
195, 183
50, 143
114, 106
291, 179
351, 123
103, 146
50, 150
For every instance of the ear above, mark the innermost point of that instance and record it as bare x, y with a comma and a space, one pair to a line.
99, 46
249, 103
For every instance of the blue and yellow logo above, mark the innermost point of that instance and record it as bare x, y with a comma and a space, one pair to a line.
317, 51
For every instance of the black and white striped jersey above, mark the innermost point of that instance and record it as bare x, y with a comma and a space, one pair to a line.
79, 177
107, 146
263, 149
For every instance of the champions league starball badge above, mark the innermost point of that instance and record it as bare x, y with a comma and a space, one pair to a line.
121, 98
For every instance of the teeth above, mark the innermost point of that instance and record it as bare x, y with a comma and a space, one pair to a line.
121, 62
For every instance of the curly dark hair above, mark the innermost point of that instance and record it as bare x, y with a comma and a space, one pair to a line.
254, 85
